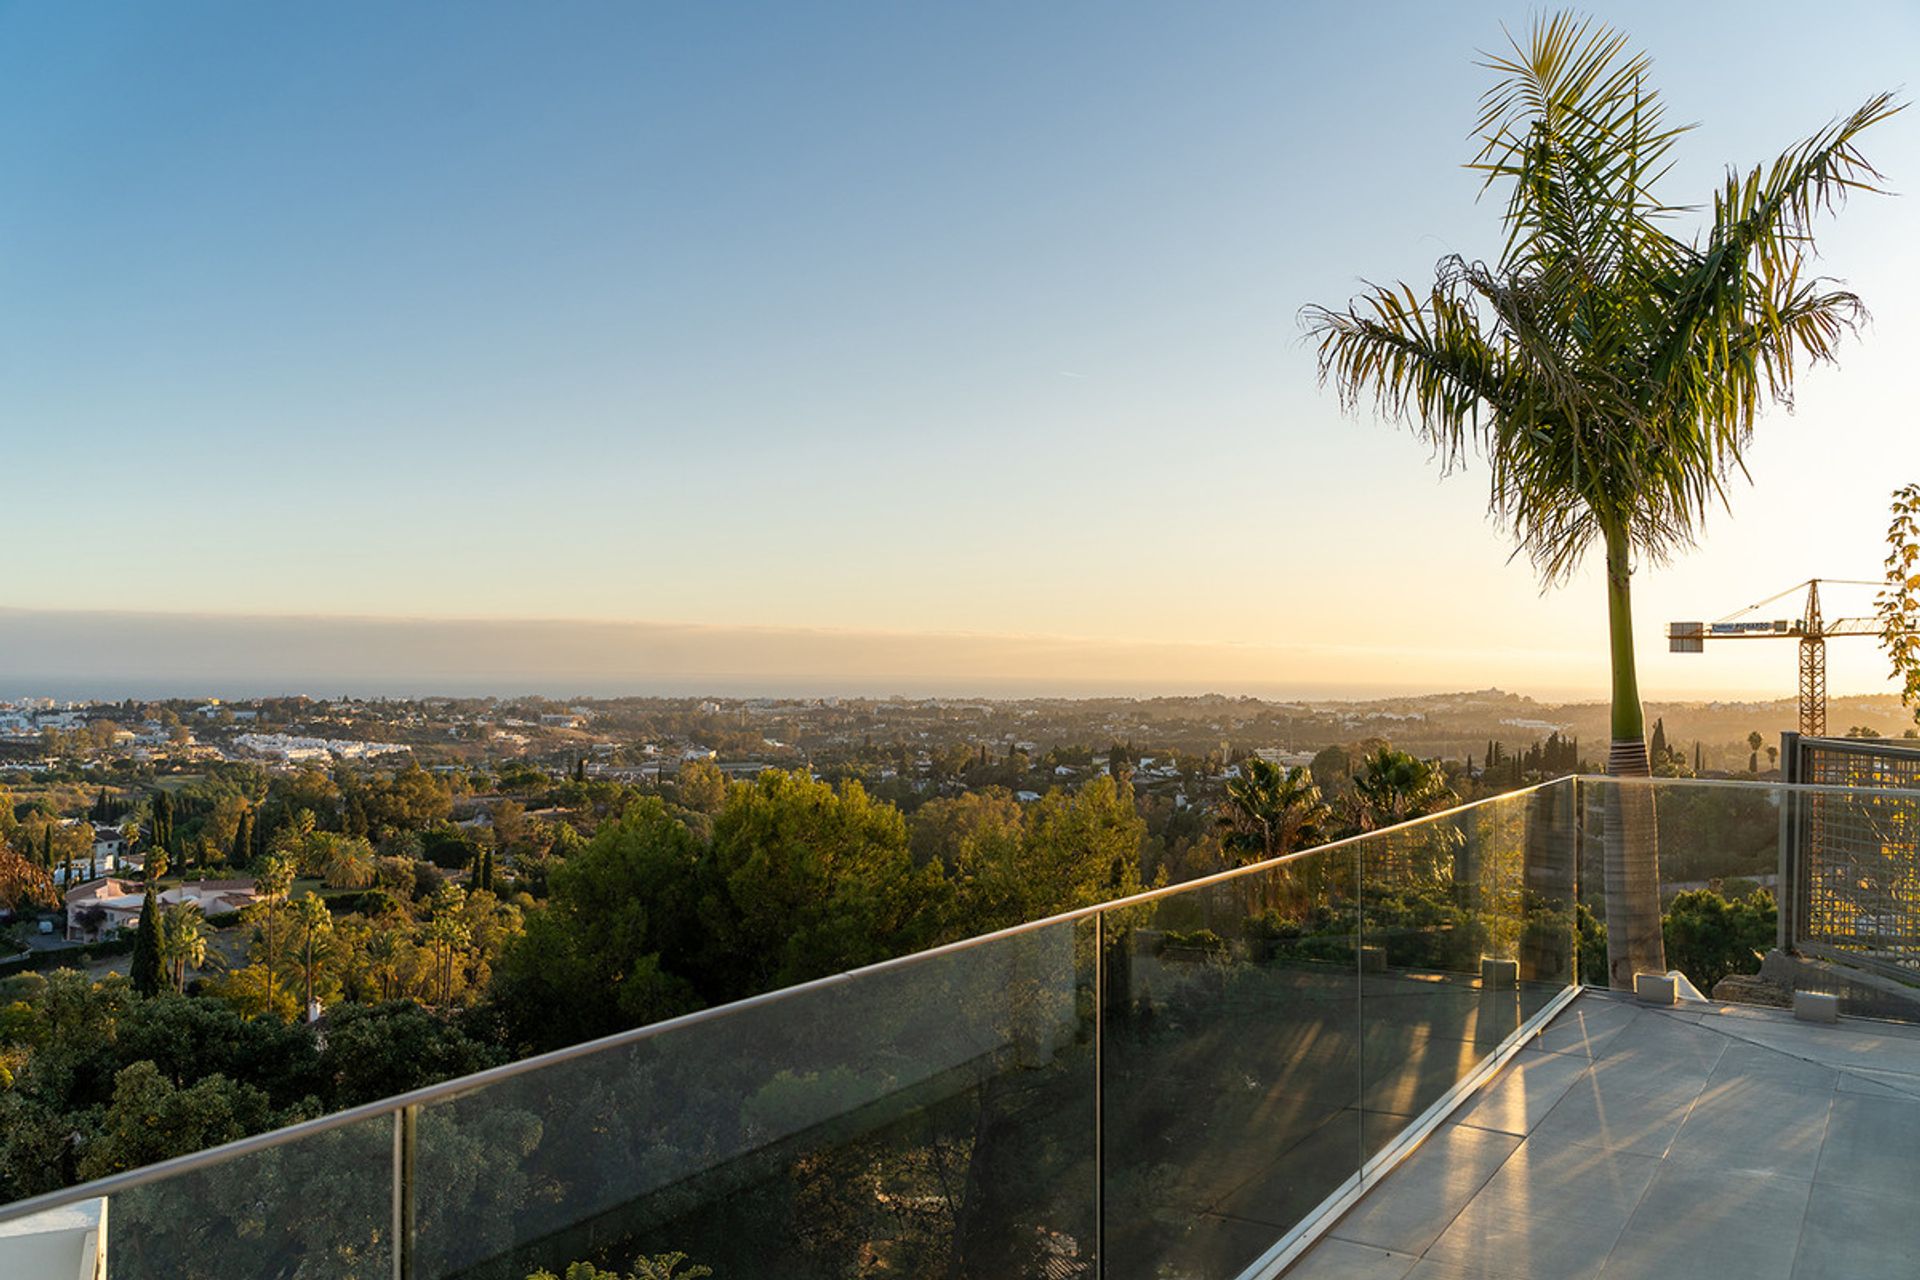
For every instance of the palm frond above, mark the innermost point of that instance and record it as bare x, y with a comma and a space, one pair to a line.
1609, 372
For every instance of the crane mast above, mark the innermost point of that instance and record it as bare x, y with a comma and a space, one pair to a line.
1813, 668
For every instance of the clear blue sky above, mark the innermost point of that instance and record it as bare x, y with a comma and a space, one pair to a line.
885, 318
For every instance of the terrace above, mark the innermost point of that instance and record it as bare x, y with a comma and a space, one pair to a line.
1705, 1141
1374, 1058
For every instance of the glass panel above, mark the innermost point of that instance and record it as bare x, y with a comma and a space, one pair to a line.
1230, 1066
1717, 837
321, 1205
935, 1118
1466, 932
1717, 856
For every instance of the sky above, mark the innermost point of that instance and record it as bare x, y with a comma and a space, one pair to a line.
843, 343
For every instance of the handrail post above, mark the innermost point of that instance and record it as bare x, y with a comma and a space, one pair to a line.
1579, 853
1099, 1100
1789, 906
403, 1202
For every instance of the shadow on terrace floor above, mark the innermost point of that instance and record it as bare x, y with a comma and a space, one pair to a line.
1627, 1141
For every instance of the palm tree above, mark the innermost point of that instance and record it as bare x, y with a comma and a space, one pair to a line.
1393, 786
182, 941
448, 934
315, 922
347, 863
271, 886
382, 955
1608, 370
1754, 743
1271, 811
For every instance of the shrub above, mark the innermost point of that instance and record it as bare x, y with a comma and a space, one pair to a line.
1708, 937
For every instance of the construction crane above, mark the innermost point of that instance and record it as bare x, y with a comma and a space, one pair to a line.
1810, 629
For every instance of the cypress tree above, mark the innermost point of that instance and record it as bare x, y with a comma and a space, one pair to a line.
162, 820
243, 840
146, 947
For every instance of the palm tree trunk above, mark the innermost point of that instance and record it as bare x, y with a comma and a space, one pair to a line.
1632, 839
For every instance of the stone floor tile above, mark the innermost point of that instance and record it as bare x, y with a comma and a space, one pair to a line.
1871, 1142
1333, 1259
1552, 1179
1522, 1094
1711, 1224
1407, 1211
1491, 1240
1859, 1231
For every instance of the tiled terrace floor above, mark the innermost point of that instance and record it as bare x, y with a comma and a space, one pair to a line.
1699, 1142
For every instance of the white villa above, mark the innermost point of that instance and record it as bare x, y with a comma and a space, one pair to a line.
109, 905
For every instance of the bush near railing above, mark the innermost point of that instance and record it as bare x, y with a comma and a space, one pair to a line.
1708, 936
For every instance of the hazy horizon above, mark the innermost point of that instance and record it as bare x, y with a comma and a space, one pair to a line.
114, 654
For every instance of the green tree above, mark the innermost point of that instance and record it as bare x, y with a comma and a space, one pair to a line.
315, 925
181, 942
1393, 786
1709, 937
593, 960
701, 786
447, 934
1067, 850
145, 967
267, 917
151, 1119
1271, 811
22, 882
162, 821
1898, 602
1608, 369
810, 880
377, 1051
242, 851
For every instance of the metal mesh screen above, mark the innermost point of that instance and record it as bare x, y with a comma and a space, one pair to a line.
1860, 870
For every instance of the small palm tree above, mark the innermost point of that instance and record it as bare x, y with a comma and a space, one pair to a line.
1393, 786
382, 955
272, 884
1271, 811
315, 922
1609, 370
448, 934
182, 941
348, 864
